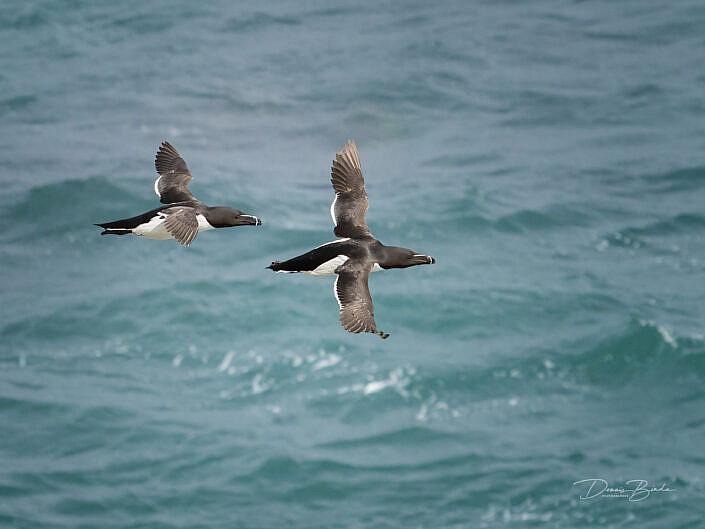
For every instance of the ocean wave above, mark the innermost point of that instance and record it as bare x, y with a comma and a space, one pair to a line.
636, 237
21, 406
70, 204
552, 217
99, 318
30, 18
531, 108
523, 311
461, 160
143, 22
335, 383
17, 103
257, 21
410, 435
643, 350
276, 466
675, 181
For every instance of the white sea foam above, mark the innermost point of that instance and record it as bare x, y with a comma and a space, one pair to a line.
376, 385
327, 361
258, 386
667, 336
225, 364
396, 380
663, 331
422, 414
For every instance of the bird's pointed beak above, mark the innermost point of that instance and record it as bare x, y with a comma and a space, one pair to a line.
249, 220
423, 259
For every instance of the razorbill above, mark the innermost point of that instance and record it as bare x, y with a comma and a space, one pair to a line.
183, 216
356, 252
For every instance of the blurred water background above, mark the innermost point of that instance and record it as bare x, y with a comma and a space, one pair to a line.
549, 155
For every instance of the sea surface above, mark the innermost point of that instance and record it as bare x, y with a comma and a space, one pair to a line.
549, 155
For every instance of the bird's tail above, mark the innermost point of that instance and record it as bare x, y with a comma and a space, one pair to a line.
114, 231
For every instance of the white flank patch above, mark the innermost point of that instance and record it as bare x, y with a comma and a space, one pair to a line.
154, 229
156, 186
203, 224
327, 268
377, 268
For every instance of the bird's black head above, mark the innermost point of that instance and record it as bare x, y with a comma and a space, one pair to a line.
222, 217
404, 258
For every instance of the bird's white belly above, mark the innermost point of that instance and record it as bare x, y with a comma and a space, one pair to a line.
328, 268
154, 229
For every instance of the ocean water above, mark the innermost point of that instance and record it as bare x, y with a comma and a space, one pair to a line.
549, 155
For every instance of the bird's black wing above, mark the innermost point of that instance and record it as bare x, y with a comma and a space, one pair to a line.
174, 176
349, 206
353, 294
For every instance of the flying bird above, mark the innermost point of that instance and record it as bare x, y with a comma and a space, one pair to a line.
356, 252
183, 217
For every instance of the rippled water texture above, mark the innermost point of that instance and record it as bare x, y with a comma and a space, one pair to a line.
549, 155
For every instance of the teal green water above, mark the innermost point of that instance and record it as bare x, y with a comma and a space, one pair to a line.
549, 155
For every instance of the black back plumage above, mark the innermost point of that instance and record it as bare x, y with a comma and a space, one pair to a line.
133, 222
